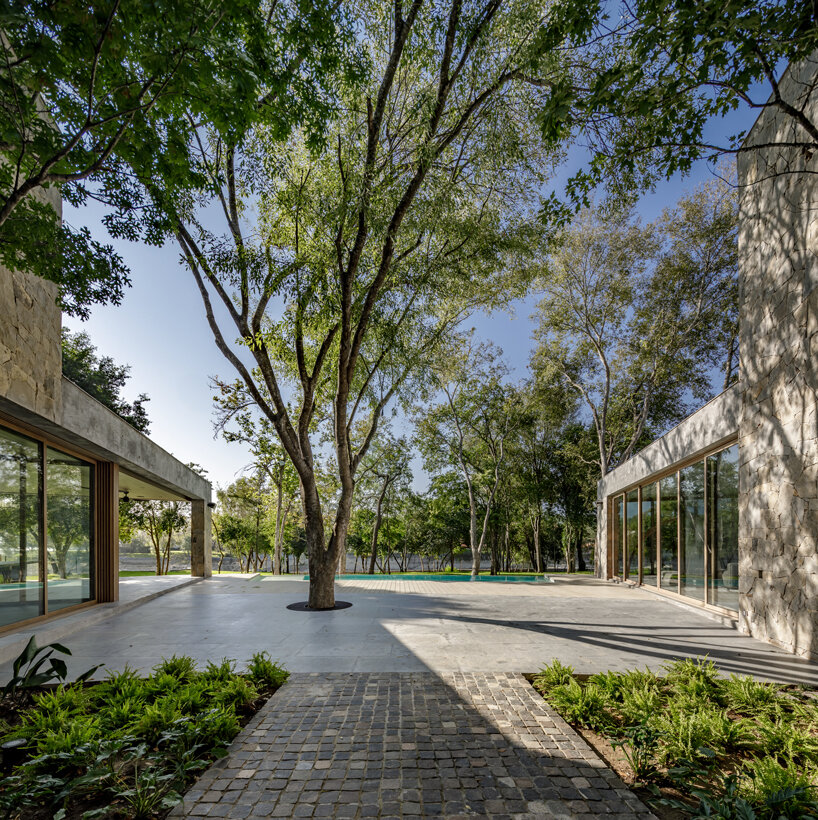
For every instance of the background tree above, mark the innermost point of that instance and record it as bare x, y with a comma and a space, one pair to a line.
468, 431
633, 319
102, 378
385, 466
410, 214
161, 520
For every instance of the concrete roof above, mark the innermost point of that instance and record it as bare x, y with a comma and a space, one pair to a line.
89, 425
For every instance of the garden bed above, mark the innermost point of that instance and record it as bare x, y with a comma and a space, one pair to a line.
693, 744
126, 746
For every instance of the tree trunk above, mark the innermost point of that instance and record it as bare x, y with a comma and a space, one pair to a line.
537, 541
580, 557
375, 527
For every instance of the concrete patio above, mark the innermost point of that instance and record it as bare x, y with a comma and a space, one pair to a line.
420, 626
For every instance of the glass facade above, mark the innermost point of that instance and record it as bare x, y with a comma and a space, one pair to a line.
649, 556
669, 533
633, 536
68, 529
680, 532
46, 531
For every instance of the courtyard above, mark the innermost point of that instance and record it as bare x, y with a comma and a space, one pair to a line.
423, 626
413, 702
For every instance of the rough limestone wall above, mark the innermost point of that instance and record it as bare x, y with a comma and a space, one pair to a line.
778, 474
30, 351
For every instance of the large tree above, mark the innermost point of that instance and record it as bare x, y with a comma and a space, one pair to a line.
94, 95
633, 319
368, 248
652, 81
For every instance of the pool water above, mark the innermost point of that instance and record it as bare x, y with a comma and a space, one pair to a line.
418, 576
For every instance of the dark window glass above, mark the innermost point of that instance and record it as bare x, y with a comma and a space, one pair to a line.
633, 535
669, 534
21, 583
619, 534
722, 525
69, 552
649, 534
692, 530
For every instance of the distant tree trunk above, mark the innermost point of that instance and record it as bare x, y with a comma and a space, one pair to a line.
536, 519
376, 526
580, 557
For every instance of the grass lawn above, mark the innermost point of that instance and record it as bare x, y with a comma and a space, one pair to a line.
694, 744
126, 747
138, 573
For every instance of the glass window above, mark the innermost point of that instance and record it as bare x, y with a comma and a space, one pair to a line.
619, 534
668, 534
21, 583
633, 536
722, 525
69, 532
649, 534
691, 547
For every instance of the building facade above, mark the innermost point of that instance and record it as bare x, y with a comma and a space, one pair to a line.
722, 511
65, 461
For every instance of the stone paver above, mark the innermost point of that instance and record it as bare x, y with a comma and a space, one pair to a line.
409, 745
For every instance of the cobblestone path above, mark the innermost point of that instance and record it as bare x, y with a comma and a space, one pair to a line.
409, 745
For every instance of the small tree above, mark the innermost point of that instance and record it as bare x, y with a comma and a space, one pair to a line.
161, 520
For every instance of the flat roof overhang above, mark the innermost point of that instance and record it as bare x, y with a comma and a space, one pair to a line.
90, 426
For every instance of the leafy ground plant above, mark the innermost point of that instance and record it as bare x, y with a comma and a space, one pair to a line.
699, 744
128, 746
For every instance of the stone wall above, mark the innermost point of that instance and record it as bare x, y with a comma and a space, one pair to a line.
778, 573
30, 350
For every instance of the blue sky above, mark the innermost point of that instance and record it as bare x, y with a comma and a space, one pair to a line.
160, 330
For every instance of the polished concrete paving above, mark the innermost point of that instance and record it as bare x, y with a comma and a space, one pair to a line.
425, 626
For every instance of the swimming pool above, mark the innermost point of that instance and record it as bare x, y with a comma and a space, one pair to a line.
418, 576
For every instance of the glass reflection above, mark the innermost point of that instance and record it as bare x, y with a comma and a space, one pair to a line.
69, 543
691, 563
722, 524
633, 535
619, 532
649, 534
21, 584
668, 533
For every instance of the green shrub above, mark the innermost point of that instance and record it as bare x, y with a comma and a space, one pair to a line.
786, 740
583, 705
180, 667
750, 697
639, 704
782, 786
611, 683
692, 735
238, 693
120, 685
224, 671
266, 673
553, 675
156, 718
78, 732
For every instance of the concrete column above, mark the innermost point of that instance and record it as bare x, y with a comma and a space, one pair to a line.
201, 548
106, 530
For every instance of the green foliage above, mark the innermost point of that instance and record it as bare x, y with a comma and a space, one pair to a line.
739, 748
553, 675
102, 378
137, 743
652, 79
36, 666
265, 672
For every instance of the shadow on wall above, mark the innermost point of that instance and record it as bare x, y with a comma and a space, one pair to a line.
779, 346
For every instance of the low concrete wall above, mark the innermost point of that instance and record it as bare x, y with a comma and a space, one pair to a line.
715, 423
